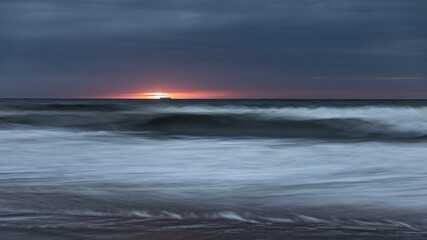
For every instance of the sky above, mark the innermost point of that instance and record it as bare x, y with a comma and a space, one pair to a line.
213, 48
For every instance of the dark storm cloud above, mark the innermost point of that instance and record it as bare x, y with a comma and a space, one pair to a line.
51, 48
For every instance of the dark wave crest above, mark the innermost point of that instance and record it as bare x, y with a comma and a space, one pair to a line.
268, 119
212, 125
242, 125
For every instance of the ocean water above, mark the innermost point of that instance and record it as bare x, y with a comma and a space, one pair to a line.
213, 169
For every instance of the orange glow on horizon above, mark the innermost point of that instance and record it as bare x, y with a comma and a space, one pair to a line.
290, 94
173, 95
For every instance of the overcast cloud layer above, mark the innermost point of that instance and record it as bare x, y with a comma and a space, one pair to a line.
256, 48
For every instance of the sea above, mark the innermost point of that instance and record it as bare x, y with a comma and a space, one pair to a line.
213, 169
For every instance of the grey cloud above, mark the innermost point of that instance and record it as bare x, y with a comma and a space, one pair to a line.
93, 47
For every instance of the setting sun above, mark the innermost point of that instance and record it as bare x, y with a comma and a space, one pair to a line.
175, 95
156, 95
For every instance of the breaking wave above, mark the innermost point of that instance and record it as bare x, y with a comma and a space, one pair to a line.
346, 122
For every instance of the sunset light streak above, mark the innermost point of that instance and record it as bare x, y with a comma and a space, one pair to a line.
156, 95
173, 95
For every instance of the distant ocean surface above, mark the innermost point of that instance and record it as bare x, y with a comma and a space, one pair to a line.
213, 169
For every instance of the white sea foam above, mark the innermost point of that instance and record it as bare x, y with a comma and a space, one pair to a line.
267, 173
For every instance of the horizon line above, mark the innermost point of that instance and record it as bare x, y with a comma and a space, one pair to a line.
179, 99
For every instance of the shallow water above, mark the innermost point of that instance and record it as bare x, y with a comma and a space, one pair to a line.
190, 169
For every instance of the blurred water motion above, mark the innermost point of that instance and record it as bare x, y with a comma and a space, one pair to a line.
213, 169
